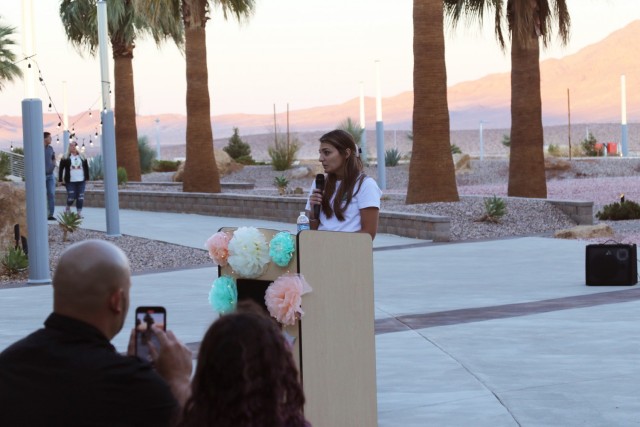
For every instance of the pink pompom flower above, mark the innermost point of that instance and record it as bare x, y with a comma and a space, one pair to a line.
284, 298
218, 247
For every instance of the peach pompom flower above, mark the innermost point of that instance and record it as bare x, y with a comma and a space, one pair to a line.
284, 298
218, 247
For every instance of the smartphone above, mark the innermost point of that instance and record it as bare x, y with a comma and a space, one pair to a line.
145, 317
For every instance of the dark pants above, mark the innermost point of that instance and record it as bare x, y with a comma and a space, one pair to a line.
75, 191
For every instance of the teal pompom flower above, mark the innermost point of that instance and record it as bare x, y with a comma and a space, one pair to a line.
223, 296
281, 248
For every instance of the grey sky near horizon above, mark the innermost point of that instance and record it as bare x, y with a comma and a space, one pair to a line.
303, 53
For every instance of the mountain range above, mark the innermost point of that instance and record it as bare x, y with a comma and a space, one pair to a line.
591, 78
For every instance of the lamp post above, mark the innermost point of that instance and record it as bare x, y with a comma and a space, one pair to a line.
65, 118
625, 131
382, 182
108, 130
363, 138
157, 139
482, 122
32, 133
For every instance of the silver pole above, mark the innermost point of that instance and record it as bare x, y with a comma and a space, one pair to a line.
363, 138
382, 181
481, 142
108, 130
157, 140
36, 193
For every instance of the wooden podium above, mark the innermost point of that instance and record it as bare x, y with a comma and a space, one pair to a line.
335, 340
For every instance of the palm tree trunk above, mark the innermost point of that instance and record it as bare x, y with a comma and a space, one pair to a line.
526, 165
431, 172
127, 153
200, 170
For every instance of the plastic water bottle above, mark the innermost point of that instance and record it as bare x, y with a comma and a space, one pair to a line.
303, 222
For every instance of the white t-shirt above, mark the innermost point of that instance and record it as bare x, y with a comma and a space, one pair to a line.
75, 167
367, 197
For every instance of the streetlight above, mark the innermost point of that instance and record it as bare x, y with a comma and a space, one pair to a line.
482, 122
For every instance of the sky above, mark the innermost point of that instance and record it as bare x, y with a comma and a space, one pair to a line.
304, 53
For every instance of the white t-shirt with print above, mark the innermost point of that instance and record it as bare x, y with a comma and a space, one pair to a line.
75, 166
368, 197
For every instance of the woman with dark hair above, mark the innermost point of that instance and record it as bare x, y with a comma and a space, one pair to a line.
350, 200
245, 375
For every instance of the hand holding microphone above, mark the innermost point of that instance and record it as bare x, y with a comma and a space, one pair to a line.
319, 186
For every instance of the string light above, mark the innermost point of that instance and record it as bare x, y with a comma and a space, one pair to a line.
59, 124
11, 146
57, 140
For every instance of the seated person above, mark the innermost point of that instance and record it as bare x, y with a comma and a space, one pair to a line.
69, 374
245, 375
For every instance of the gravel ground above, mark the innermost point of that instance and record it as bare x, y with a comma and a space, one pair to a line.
598, 180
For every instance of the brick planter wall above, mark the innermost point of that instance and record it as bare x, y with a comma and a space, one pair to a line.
287, 209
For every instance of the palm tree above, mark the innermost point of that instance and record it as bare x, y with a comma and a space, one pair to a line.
9, 71
79, 18
431, 170
529, 22
200, 170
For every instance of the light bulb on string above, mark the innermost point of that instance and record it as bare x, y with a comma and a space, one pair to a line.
49, 107
90, 113
11, 146
90, 142
59, 124
57, 139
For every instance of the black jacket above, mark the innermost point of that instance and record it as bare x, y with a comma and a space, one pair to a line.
65, 169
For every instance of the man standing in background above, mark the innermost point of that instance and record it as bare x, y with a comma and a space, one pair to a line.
49, 167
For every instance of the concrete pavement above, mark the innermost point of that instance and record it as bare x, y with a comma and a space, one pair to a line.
492, 333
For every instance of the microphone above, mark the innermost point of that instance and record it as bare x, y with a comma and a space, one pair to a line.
319, 186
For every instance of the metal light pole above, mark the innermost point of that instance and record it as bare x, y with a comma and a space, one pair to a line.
108, 130
32, 133
482, 122
65, 118
157, 140
363, 138
382, 181
625, 131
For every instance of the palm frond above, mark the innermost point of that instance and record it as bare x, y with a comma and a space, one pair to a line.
9, 71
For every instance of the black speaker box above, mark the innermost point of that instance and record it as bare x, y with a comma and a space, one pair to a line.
612, 265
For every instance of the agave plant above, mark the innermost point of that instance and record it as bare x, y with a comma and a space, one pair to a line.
69, 222
281, 182
15, 260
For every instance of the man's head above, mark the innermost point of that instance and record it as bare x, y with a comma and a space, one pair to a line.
47, 138
91, 283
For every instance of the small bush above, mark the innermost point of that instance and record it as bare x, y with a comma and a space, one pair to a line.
282, 183
506, 140
495, 208
15, 260
69, 222
589, 146
282, 154
620, 211
147, 155
392, 157
554, 150
238, 149
166, 165
5, 165
18, 150
95, 168
122, 176
455, 149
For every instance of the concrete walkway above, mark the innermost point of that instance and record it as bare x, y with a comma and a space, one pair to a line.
495, 333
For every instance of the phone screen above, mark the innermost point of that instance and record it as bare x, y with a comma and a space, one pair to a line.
145, 317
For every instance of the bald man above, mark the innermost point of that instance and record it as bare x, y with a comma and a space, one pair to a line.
68, 373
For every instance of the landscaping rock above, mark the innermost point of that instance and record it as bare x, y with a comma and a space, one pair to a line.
585, 232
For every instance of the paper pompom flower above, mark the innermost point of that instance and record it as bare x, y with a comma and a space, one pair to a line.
218, 247
284, 298
281, 248
223, 296
248, 252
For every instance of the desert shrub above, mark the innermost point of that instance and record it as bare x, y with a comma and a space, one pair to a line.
620, 211
15, 260
122, 176
165, 165
238, 150
554, 150
283, 154
506, 140
69, 222
455, 149
392, 157
95, 168
495, 208
589, 146
18, 150
147, 155
5, 165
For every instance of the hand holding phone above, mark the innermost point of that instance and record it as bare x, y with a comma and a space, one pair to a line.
145, 318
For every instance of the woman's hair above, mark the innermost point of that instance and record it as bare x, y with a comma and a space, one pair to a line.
352, 173
245, 375
68, 153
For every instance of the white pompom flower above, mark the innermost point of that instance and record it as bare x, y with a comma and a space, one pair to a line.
248, 252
